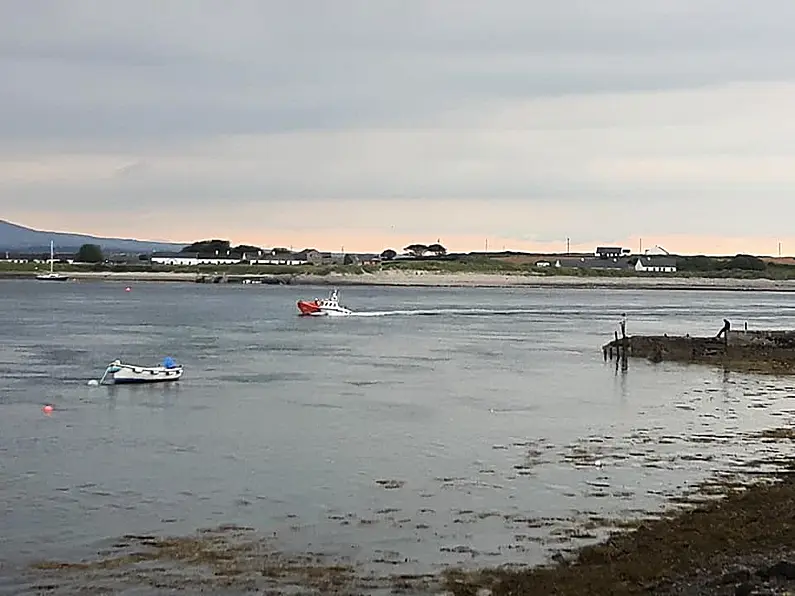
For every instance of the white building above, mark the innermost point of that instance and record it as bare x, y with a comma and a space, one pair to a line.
656, 264
191, 261
259, 258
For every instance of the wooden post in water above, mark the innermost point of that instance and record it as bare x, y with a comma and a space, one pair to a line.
624, 339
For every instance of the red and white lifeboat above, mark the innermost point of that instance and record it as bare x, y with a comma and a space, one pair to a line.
323, 307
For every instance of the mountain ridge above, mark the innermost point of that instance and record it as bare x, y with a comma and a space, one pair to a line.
16, 237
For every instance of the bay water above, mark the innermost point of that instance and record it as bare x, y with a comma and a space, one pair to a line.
435, 427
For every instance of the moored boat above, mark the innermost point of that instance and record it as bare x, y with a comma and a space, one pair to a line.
52, 276
128, 374
324, 306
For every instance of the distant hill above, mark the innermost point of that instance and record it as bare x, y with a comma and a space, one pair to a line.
14, 237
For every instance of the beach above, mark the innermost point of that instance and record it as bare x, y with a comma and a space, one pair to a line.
500, 280
394, 277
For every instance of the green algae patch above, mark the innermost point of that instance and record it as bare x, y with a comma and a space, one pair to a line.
225, 557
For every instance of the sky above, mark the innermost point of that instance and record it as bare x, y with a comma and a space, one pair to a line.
358, 125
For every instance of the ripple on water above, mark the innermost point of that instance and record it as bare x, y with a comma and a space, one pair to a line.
395, 451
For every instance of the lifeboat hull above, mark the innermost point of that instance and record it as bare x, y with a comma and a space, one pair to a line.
309, 307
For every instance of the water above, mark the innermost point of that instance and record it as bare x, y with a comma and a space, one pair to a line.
440, 426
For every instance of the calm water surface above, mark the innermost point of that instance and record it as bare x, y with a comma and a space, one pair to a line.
434, 429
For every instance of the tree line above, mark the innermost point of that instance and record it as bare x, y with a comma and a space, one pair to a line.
740, 262
416, 250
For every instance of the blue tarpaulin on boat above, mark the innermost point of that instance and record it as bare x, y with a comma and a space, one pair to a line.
169, 362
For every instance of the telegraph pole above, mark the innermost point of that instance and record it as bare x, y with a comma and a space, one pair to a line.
568, 245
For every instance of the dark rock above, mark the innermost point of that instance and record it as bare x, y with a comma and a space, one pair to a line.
744, 589
736, 576
782, 569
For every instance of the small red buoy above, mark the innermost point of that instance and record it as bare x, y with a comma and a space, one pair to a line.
47, 409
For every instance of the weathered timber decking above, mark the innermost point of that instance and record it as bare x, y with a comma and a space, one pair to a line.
772, 351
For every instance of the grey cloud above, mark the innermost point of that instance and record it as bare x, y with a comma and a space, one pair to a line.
160, 86
145, 69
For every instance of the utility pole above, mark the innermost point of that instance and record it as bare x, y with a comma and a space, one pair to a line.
487, 245
640, 246
568, 245
779, 249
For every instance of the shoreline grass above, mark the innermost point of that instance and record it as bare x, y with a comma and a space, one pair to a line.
469, 265
353, 275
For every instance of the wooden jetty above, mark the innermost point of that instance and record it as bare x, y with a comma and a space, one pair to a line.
771, 351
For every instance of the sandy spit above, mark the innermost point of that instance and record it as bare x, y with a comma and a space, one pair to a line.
473, 280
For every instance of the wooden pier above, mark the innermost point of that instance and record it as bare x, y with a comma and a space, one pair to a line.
764, 351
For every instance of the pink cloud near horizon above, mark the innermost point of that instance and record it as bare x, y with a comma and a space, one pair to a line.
147, 227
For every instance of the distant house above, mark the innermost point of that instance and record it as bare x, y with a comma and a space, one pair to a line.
277, 257
17, 258
181, 259
617, 264
361, 259
308, 256
314, 257
611, 252
123, 259
543, 264
656, 264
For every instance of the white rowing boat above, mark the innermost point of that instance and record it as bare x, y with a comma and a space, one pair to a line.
128, 373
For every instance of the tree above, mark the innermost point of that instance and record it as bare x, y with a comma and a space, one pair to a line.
241, 248
388, 254
747, 263
89, 253
437, 249
208, 247
697, 263
416, 249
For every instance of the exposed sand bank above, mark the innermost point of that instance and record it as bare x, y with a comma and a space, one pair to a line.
434, 279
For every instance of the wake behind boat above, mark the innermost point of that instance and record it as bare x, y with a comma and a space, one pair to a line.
128, 373
324, 307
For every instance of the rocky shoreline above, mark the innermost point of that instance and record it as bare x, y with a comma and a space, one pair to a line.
740, 545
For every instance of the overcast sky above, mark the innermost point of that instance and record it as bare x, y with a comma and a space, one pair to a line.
369, 124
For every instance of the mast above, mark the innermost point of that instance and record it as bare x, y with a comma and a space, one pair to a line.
52, 255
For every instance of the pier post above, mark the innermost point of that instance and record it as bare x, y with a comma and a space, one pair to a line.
624, 339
